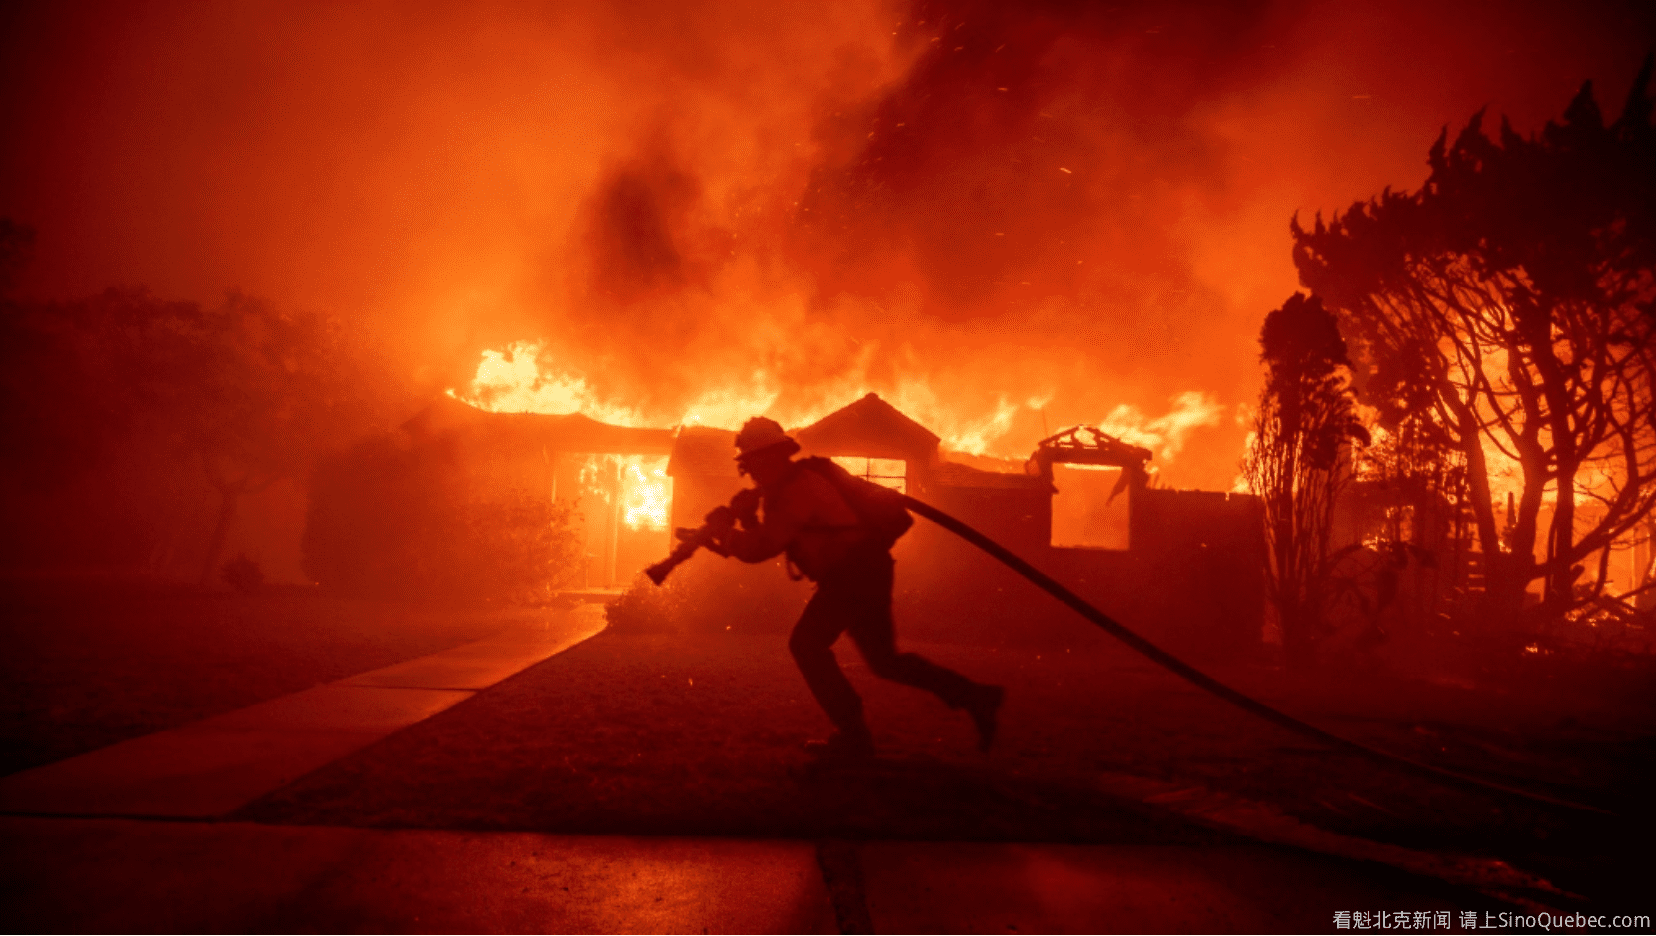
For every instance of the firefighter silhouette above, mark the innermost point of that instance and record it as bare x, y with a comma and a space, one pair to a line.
837, 530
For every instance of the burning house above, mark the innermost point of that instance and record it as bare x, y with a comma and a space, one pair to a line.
1181, 566
612, 477
456, 484
1184, 567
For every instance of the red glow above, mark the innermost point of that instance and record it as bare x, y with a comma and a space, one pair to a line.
701, 209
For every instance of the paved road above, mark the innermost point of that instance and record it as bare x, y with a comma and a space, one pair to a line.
128, 838
116, 875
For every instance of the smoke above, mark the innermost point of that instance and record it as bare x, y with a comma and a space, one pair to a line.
1005, 218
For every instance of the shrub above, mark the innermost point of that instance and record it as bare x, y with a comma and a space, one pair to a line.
647, 608
243, 574
393, 521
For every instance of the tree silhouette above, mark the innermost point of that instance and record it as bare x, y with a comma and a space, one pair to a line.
1297, 462
250, 395
1507, 307
391, 519
259, 394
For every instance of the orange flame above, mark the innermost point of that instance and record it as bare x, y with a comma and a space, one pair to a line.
646, 493
511, 381
1164, 435
521, 379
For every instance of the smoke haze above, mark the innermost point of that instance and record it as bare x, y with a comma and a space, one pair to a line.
1004, 218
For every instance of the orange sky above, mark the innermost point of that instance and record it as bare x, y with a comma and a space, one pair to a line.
677, 198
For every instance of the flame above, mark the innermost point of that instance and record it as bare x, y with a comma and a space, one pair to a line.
1164, 435
591, 476
522, 378
968, 434
849, 173
646, 493
511, 381
729, 407
638, 483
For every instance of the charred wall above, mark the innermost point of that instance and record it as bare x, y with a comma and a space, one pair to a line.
1192, 580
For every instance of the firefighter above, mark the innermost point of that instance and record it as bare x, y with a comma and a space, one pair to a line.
813, 517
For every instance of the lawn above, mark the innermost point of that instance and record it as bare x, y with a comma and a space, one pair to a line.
91, 662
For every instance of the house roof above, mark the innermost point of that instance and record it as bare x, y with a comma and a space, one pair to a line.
702, 451
1089, 445
869, 427
567, 433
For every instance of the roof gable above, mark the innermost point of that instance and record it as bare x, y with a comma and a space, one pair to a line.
870, 427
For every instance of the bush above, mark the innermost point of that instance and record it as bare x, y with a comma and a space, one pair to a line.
243, 574
709, 595
647, 608
392, 521
515, 546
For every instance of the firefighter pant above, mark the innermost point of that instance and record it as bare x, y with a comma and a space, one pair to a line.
856, 599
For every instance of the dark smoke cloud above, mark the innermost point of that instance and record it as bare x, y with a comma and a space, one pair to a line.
1028, 137
817, 201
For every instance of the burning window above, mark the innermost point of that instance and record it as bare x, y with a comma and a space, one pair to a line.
646, 493
1087, 511
623, 504
888, 472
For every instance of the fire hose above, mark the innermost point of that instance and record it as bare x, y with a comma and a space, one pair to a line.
1205, 682
698, 538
